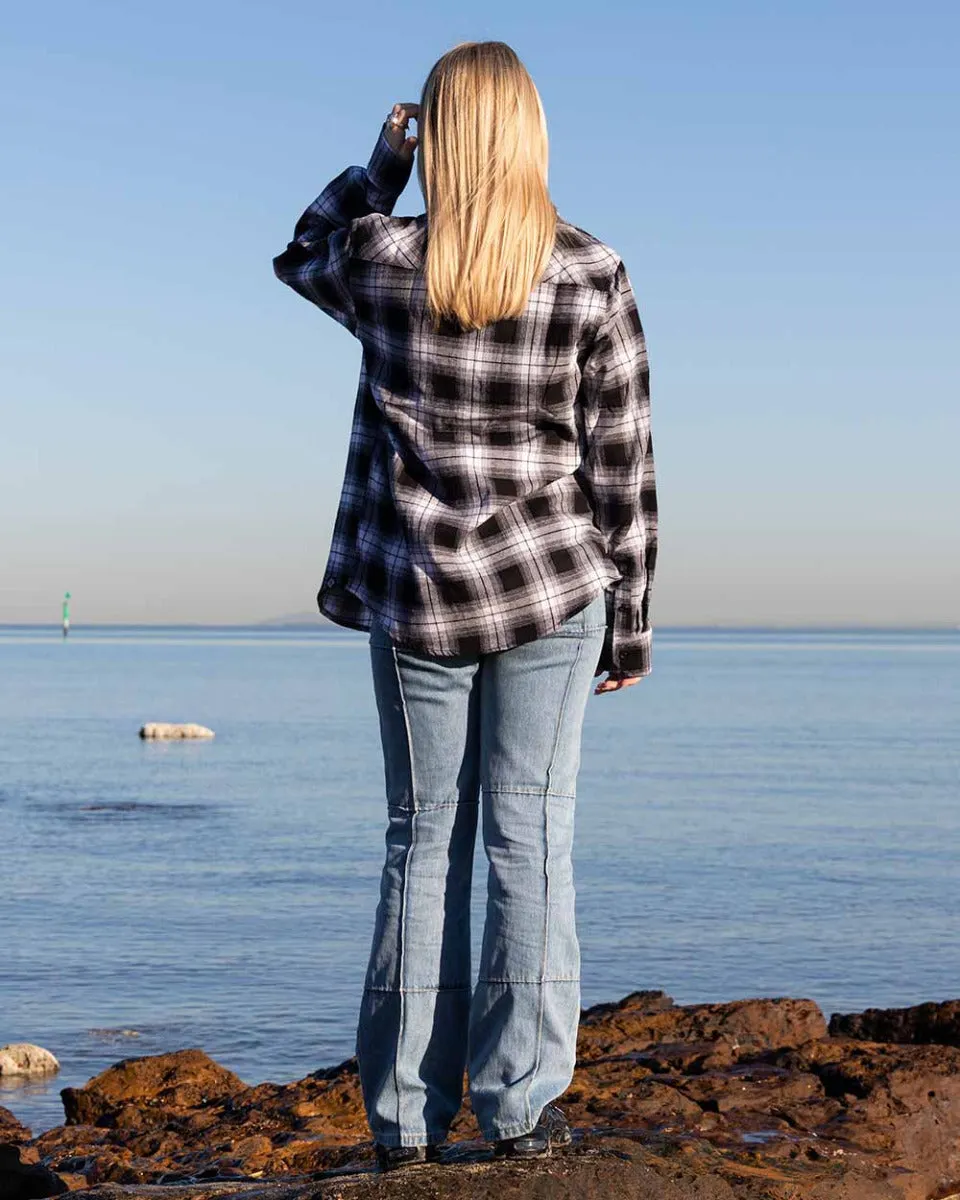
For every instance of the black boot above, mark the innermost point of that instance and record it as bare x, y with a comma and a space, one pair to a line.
391, 1157
550, 1130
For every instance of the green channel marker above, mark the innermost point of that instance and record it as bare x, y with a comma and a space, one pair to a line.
66, 614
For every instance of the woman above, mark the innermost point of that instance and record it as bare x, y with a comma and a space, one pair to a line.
496, 535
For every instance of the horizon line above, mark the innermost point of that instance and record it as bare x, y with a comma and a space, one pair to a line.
273, 624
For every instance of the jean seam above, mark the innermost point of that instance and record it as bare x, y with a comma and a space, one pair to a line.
546, 873
406, 873
448, 987
531, 982
541, 792
405, 809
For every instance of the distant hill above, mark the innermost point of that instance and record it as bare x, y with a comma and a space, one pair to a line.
300, 618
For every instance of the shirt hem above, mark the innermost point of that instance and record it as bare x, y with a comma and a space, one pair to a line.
363, 616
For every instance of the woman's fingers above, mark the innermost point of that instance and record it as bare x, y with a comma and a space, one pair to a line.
396, 134
615, 683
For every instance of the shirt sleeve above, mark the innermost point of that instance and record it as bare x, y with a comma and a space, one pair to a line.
617, 474
316, 263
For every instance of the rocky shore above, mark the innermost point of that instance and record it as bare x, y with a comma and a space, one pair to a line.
750, 1100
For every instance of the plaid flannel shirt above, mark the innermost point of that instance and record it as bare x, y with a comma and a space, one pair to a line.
497, 480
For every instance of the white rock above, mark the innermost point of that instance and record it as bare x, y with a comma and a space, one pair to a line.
23, 1058
158, 729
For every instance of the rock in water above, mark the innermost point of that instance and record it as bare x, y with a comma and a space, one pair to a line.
159, 729
23, 1058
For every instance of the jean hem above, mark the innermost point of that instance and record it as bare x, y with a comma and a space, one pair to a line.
423, 1137
519, 1129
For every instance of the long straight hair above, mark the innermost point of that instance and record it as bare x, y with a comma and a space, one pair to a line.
482, 165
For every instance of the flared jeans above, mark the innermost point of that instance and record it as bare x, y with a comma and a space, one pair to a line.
493, 740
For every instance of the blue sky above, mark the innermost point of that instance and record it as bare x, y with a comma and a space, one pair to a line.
780, 180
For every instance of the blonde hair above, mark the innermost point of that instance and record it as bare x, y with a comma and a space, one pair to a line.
482, 166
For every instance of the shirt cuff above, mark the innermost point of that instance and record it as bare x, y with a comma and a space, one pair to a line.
627, 647
387, 172
633, 656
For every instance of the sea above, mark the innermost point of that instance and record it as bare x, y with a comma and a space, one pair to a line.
772, 812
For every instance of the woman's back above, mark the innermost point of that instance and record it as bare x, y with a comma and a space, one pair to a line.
497, 478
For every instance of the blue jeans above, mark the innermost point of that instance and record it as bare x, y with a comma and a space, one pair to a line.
499, 732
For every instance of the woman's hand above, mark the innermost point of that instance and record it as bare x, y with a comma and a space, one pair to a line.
396, 135
615, 682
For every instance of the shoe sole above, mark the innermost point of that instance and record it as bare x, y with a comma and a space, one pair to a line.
562, 1137
413, 1162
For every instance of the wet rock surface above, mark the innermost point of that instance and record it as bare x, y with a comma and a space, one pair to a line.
750, 1100
12, 1130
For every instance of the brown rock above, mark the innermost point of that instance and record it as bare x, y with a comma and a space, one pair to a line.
618, 1101
754, 1088
614, 1170
12, 1130
598, 1169
183, 1079
742, 1027
906, 1102
750, 1100
25, 1180
938, 1023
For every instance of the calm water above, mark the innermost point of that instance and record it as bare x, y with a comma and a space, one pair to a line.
769, 813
